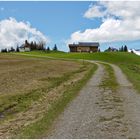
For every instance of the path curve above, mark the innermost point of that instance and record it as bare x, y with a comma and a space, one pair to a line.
94, 114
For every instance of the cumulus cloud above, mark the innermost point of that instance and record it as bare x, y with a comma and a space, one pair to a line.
120, 22
13, 33
94, 11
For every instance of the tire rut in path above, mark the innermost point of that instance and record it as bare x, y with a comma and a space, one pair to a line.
131, 102
98, 112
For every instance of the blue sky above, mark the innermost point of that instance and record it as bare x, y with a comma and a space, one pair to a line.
57, 20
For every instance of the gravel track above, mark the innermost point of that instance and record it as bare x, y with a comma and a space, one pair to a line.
101, 113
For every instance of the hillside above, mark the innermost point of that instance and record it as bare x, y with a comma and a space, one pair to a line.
35, 91
31, 83
129, 63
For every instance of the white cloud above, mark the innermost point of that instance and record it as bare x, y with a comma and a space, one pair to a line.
94, 11
120, 22
13, 32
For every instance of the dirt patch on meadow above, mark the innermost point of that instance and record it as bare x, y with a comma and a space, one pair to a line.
20, 74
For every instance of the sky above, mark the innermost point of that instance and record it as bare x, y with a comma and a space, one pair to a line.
61, 22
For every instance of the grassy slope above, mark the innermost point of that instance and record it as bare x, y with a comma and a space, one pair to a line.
129, 63
17, 104
15, 98
41, 127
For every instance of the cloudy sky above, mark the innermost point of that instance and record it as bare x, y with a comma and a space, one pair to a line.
111, 23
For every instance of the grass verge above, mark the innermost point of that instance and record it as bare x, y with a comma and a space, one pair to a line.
109, 80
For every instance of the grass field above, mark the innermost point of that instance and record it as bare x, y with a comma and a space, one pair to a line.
129, 63
34, 91
35, 88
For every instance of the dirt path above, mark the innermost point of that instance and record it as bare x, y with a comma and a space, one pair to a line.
99, 112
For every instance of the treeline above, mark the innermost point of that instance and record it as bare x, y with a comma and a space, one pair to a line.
113, 49
30, 47
35, 46
123, 49
8, 50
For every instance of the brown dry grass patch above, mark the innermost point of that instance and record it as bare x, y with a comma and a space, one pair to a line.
29, 86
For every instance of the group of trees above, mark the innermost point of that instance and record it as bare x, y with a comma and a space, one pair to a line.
35, 46
8, 50
112, 49
39, 46
4, 50
32, 46
123, 49
54, 48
